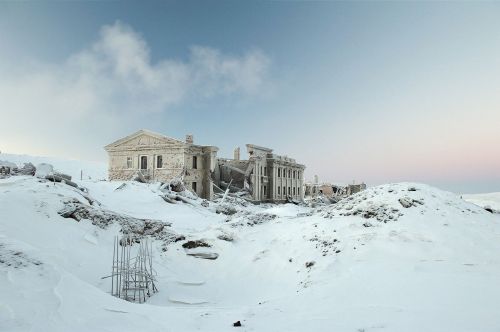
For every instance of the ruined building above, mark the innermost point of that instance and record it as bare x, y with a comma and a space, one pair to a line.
263, 177
267, 177
160, 158
316, 189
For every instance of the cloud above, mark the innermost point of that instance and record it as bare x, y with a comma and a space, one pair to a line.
113, 82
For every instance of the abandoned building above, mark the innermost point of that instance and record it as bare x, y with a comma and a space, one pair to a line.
159, 158
264, 177
331, 190
267, 177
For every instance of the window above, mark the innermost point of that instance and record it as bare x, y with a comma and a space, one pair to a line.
193, 185
195, 163
279, 172
289, 191
289, 173
294, 174
144, 162
265, 170
284, 191
293, 191
265, 190
159, 162
279, 190
129, 162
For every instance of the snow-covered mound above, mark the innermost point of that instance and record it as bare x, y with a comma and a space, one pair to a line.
389, 202
433, 266
87, 170
489, 200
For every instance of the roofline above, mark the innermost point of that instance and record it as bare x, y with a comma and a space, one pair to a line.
139, 132
259, 147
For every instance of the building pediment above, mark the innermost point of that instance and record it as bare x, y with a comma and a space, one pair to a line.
146, 139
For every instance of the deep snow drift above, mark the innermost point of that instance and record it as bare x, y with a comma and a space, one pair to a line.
490, 200
398, 257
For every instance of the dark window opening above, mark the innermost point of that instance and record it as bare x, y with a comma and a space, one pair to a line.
159, 162
193, 185
195, 163
144, 162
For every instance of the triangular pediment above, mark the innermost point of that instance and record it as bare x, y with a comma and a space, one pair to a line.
144, 138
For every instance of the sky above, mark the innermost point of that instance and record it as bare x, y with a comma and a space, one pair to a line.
357, 91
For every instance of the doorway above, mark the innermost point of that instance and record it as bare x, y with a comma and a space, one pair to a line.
144, 162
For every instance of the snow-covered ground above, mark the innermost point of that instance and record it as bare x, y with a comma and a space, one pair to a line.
365, 264
88, 170
491, 200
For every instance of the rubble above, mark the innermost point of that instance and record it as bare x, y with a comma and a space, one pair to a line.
177, 185
195, 244
408, 202
226, 209
139, 177
4, 172
131, 227
27, 169
252, 219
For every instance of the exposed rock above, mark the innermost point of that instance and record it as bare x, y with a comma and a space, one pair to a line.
195, 244
489, 209
310, 264
406, 202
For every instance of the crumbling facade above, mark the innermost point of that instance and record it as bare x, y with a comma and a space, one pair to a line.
332, 190
355, 188
267, 177
159, 158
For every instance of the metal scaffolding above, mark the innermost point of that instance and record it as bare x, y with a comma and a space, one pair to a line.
132, 276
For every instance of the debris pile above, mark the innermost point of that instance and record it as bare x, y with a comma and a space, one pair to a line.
41, 171
251, 219
383, 203
132, 228
226, 208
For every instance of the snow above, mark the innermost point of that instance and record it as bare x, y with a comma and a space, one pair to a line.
76, 168
491, 200
43, 169
431, 267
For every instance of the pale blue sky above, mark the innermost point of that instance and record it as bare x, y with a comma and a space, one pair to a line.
373, 91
